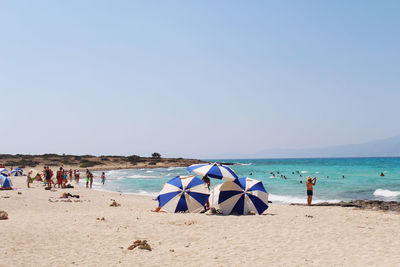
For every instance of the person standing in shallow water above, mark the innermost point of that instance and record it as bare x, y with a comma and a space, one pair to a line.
103, 178
310, 183
87, 178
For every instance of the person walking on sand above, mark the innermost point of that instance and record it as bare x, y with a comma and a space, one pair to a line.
103, 178
47, 175
310, 183
60, 177
28, 179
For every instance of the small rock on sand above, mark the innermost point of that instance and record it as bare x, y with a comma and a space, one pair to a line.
115, 204
142, 244
19, 193
3, 215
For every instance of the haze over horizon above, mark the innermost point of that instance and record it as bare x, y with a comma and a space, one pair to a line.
191, 79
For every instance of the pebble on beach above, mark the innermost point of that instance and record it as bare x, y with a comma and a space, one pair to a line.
3, 215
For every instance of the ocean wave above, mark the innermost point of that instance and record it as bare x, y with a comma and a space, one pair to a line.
175, 168
293, 199
386, 193
138, 176
243, 164
149, 171
304, 171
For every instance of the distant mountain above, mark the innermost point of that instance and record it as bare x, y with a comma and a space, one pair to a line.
389, 147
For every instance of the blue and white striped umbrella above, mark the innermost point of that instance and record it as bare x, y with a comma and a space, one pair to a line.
6, 182
17, 172
184, 194
243, 195
213, 170
4, 172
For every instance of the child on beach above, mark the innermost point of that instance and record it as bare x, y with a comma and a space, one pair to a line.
310, 183
28, 179
87, 178
103, 178
77, 176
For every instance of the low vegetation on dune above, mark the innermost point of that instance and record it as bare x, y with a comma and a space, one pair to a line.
90, 161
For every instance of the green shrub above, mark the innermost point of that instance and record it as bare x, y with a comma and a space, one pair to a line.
156, 155
134, 159
88, 163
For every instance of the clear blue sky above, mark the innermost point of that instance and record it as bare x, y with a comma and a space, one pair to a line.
196, 78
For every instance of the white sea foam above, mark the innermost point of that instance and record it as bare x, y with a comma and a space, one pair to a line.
293, 199
304, 171
149, 171
386, 193
137, 176
243, 164
175, 168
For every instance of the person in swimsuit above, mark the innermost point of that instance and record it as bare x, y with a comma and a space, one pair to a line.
65, 178
310, 183
87, 178
28, 179
103, 177
91, 179
60, 177
77, 176
47, 176
206, 180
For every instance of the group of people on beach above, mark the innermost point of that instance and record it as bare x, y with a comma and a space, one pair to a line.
62, 178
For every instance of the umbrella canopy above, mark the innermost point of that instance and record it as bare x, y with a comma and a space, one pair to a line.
6, 182
243, 195
4, 172
17, 172
213, 170
183, 194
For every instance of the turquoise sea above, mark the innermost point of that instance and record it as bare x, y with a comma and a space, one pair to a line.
361, 180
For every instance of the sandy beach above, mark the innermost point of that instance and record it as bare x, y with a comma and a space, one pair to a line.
44, 230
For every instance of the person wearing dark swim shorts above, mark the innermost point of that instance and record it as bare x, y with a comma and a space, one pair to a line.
310, 183
47, 176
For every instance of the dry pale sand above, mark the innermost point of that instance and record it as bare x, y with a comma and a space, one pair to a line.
44, 233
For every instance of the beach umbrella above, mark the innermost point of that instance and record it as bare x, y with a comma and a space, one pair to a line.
242, 196
183, 194
17, 172
4, 172
213, 170
6, 182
